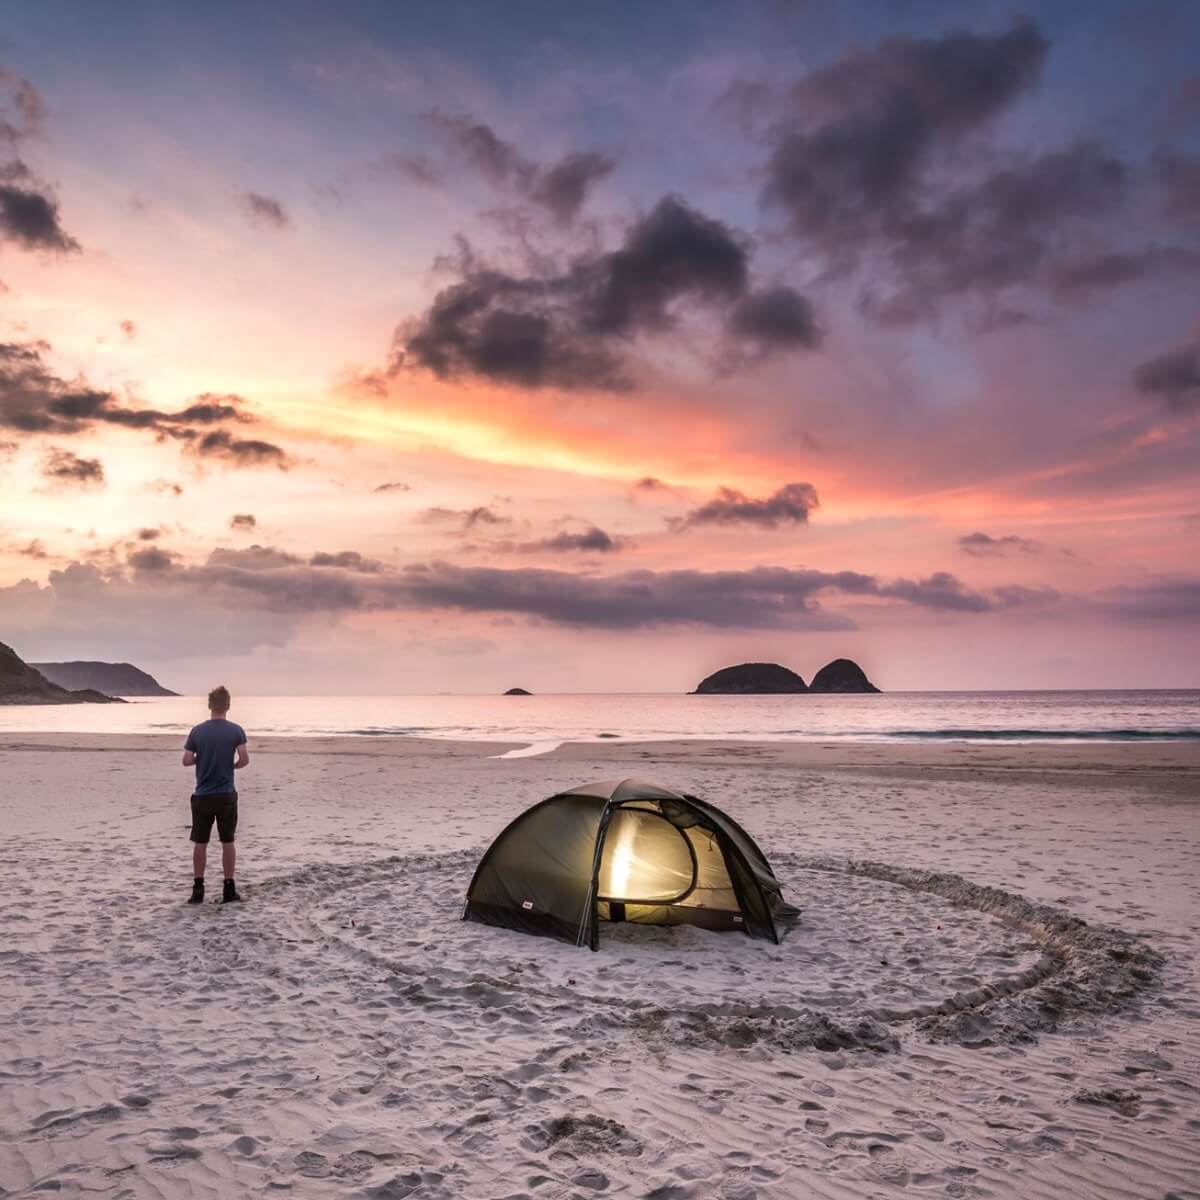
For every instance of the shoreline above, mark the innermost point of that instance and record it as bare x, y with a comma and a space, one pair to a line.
1172, 768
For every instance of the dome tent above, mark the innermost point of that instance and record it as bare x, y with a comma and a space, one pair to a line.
625, 850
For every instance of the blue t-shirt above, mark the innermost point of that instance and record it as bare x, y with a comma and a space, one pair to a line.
214, 744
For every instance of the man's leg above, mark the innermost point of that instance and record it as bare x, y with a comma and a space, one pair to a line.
202, 822
227, 828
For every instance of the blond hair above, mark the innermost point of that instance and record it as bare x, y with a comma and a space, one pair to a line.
218, 699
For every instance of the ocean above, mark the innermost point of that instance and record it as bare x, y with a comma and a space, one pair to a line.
547, 720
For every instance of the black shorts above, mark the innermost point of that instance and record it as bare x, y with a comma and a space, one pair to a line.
221, 808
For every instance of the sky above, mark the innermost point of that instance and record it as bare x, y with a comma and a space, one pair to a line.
366, 348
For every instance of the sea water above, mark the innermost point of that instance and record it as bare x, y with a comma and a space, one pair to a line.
544, 720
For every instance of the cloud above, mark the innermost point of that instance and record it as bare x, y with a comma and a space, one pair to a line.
878, 161
22, 108
393, 487
572, 330
982, 544
846, 161
149, 534
239, 452
346, 560
790, 505
1175, 598
265, 211
34, 549
1079, 277
470, 518
151, 559
593, 540
561, 188
776, 318
1173, 377
66, 467
243, 521
29, 217
1180, 177
129, 329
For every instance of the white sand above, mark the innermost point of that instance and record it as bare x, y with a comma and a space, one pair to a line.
344, 1034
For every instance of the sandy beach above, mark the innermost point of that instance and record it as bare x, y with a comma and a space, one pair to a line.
992, 990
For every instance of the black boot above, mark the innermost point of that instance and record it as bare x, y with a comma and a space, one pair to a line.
197, 892
230, 894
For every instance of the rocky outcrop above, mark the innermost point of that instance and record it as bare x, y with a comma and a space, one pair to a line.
22, 684
113, 679
517, 692
751, 679
841, 675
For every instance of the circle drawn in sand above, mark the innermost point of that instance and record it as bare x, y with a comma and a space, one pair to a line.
878, 949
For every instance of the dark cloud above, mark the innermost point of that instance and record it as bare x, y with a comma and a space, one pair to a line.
243, 521
65, 467
35, 549
151, 559
346, 560
1180, 176
984, 544
254, 558
1173, 378
846, 163
393, 487
572, 330
34, 400
265, 211
267, 588
1002, 232
1172, 599
790, 505
870, 166
149, 534
239, 452
594, 540
776, 318
29, 217
561, 188
468, 518
1081, 276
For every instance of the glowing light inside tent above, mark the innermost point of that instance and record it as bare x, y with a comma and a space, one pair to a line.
645, 858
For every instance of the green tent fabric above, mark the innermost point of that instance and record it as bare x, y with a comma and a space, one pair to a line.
625, 850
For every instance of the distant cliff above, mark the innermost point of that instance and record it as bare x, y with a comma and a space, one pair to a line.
841, 675
517, 692
764, 679
113, 679
751, 679
22, 684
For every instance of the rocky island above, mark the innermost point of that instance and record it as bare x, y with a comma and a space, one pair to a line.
842, 676
517, 692
113, 679
751, 679
22, 684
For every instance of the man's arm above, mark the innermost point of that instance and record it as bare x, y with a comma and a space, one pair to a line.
189, 750
189, 759
243, 757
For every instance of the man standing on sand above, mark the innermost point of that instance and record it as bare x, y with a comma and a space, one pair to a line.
212, 746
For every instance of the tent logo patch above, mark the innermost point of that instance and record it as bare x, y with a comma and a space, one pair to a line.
526, 903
